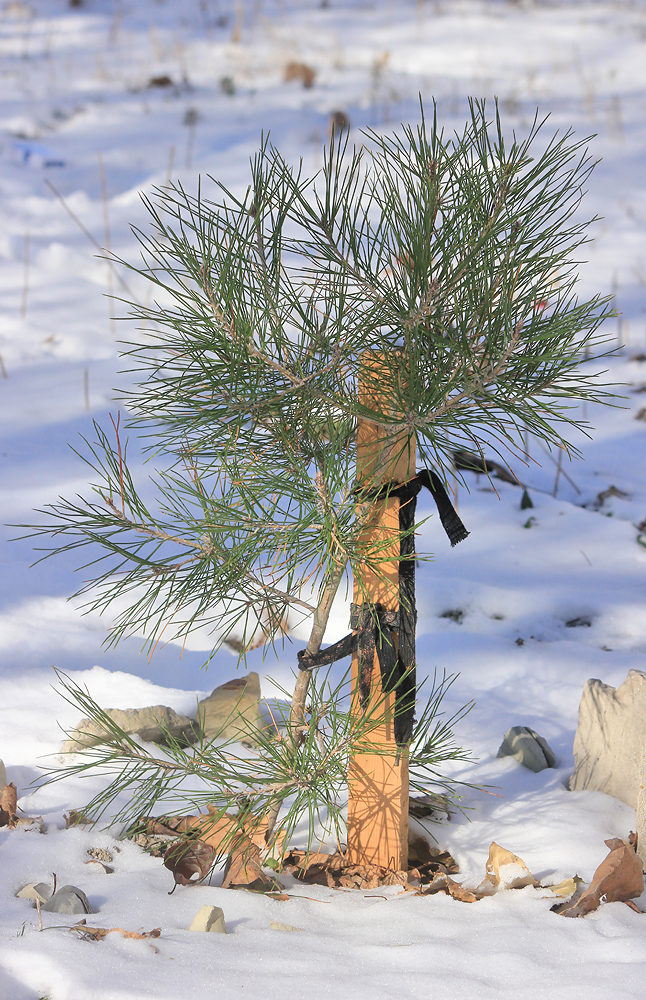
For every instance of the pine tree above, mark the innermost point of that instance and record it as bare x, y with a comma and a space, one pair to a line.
451, 260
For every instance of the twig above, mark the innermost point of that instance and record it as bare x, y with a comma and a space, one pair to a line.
204, 550
25, 276
93, 241
171, 163
2, 368
106, 234
562, 472
558, 473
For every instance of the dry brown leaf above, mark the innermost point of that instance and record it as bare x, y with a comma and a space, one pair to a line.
9, 806
300, 71
243, 871
9, 812
76, 818
189, 861
106, 868
617, 879
220, 830
504, 870
298, 862
333, 871
429, 861
566, 888
442, 883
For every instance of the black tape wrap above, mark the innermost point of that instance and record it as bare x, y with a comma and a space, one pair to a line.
374, 627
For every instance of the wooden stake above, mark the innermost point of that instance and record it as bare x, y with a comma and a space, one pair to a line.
378, 782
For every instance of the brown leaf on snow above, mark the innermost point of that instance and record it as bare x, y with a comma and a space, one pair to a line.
618, 878
429, 861
298, 862
9, 806
76, 818
504, 870
9, 812
243, 871
333, 871
442, 883
189, 861
221, 831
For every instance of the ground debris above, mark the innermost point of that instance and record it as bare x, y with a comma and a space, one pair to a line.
99, 933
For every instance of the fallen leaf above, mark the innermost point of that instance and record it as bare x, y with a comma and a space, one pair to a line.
189, 861
298, 862
617, 879
76, 818
443, 883
428, 860
504, 870
9, 806
106, 868
566, 888
9, 812
301, 72
243, 871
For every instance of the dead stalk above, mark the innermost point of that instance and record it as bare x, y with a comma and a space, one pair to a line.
106, 235
25, 276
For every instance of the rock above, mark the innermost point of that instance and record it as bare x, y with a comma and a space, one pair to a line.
232, 711
68, 899
275, 925
35, 890
610, 740
641, 816
3, 775
100, 854
152, 724
209, 918
527, 747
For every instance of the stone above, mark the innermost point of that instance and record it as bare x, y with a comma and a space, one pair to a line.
68, 899
232, 711
152, 724
35, 890
641, 815
610, 740
209, 918
275, 925
527, 747
100, 854
3, 775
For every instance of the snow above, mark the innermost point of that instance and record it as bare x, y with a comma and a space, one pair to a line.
75, 94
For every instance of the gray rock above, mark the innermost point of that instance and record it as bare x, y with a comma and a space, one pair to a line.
209, 918
232, 711
152, 724
35, 890
527, 747
3, 775
610, 740
68, 899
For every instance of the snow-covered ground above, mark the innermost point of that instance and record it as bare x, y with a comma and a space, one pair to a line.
82, 122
